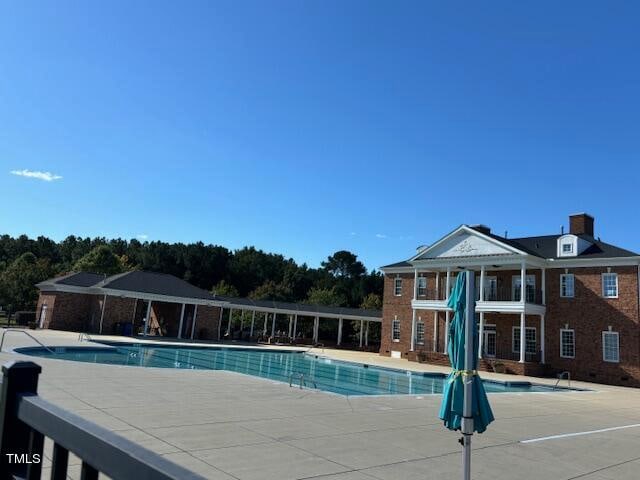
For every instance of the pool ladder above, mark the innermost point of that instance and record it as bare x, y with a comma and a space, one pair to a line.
27, 334
302, 381
561, 375
84, 336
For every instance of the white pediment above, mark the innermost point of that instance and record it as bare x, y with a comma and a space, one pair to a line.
465, 243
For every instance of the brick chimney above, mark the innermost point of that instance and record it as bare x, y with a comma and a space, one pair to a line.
581, 223
481, 228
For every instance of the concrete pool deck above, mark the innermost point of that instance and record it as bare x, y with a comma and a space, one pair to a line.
226, 425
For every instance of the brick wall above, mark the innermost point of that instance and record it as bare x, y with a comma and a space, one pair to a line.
80, 312
116, 310
207, 323
589, 314
68, 311
397, 306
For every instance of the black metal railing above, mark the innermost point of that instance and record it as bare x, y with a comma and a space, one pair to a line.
514, 356
491, 294
26, 419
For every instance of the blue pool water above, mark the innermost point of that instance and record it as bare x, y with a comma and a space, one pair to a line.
325, 374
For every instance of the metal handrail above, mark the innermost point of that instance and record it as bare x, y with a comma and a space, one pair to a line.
27, 419
303, 380
27, 334
561, 376
83, 335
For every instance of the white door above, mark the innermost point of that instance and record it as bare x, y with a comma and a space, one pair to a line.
489, 341
43, 316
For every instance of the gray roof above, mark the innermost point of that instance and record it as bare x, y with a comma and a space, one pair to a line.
546, 246
79, 279
138, 281
154, 283
398, 264
300, 307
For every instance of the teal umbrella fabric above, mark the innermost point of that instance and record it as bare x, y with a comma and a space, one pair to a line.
453, 395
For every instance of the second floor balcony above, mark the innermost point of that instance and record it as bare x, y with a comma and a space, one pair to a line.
491, 294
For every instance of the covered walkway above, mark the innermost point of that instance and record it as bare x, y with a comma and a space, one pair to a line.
263, 317
154, 304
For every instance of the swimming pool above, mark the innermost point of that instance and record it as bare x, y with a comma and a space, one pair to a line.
314, 371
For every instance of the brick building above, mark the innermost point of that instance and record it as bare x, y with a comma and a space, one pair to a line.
121, 304
579, 310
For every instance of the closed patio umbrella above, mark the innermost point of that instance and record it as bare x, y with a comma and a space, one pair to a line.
465, 405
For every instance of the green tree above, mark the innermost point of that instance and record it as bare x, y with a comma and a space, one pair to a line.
372, 302
224, 289
18, 280
271, 290
326, 296
344, 264
100, 260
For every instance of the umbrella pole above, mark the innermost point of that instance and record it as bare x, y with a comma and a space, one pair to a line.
467, 404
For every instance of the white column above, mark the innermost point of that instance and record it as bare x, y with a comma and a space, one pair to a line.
544, 286
148, 318
448, 284
435, 331
361, 331
273, 325
413, 330
523, 284
264, 327
415, 284
446, 313
481, 333
522, 337
229, 324
482, 275
181, 321
104, 302
220, 323
195, 316
295, 325
316, 322
366, 334
290, 324
253, 323
447, 316
339, 331
241, 322
437, 286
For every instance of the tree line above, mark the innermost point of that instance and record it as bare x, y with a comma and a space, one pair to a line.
341, 280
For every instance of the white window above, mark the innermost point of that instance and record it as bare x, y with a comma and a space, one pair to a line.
395, 330
422, 286
567, 343
420, 332
397, 287
610, 347
530, 340
567, 247
566, 285
531, 288
610, 285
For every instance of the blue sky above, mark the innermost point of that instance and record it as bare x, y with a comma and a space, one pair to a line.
307, 127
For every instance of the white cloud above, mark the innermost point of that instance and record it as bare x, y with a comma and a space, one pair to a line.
380, 235
142, 236
46, 176
353, 234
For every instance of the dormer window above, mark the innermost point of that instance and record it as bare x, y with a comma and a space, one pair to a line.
570, 245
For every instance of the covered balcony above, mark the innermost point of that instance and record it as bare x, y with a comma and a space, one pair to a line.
499, 292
